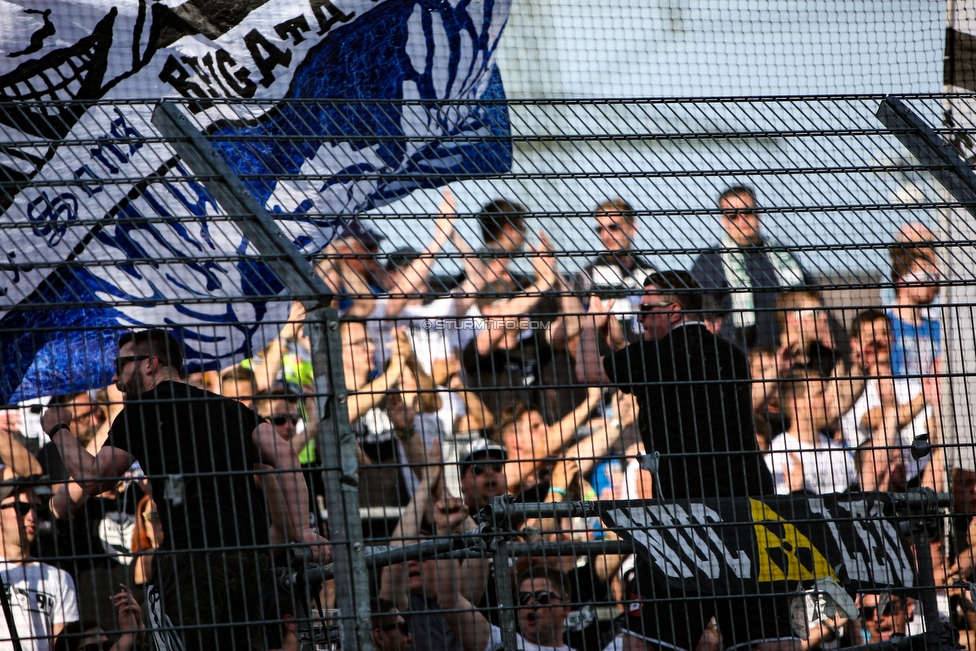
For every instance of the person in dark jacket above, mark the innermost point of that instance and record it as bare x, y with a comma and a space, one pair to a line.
746, 271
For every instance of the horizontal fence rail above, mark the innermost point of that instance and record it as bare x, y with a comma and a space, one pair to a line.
665, 374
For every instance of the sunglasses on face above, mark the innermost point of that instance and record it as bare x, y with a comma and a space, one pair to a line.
610, 228
481, 468
94, 646
22, 508
120, 362
869, 613
646, 308
735, 214
922, 278
541, 597
403, 627
281, 419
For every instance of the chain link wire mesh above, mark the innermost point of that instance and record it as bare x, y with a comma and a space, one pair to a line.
755, 450
678, 48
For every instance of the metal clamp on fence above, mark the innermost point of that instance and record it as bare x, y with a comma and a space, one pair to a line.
299, 584
920, 501
472, 543
505, 514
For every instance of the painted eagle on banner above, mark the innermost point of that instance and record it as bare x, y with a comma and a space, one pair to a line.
94, 247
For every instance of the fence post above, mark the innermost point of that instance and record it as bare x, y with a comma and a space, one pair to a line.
336, 443
503, 585
500, 522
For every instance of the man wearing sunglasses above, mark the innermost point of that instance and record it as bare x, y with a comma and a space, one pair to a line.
884, 615
42, 597
198, 450
280, 408
617, 272
390, 630
88, 528
543, 600
483, 476
692, 388
695, 401
746, 271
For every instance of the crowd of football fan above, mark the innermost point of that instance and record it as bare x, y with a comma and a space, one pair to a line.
547, 386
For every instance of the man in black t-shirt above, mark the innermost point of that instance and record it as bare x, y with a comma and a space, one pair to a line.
695, 400
198, 451
508, 371
694, 394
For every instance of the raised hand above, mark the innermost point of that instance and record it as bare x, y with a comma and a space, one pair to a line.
320, 546
599, 314
400, 352
296, 321
786, 357
54, 416
444, 225
625, 407
448, 515
544, 263
402, 412
564, 473
11, 422
128, 609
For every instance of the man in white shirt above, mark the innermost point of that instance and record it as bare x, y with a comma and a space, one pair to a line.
887, 413
802, 458
618, 272
542, 605
41, 597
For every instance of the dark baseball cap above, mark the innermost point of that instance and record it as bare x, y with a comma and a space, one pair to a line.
401, 258
483, 449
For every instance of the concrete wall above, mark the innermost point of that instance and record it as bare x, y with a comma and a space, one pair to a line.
695, 48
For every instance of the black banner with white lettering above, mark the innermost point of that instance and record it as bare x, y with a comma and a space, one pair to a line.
743, 545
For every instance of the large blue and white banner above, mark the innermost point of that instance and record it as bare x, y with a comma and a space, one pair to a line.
103, 230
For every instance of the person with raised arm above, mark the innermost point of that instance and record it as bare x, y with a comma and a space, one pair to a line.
42, 597
199, 451
695, 410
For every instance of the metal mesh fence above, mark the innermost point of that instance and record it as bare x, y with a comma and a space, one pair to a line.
661, 374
